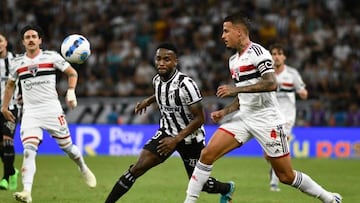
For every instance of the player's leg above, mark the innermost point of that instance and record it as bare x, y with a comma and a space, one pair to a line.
8, 158
274, 180
59, 130
301, 181
148, 158
10, 172
31, 138
274, 142
190, 154
221, 142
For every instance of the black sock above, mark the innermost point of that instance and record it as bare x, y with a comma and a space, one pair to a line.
121, 187
8, 158
214, 186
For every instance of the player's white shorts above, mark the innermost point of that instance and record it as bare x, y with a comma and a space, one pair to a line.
288, 126
271, 137
32, 127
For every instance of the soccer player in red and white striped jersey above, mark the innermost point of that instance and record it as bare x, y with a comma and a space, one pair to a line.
35, 70
256, 115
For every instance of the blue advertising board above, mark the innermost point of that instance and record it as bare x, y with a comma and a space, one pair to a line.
122, 140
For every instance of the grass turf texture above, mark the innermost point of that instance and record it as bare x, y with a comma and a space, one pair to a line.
58, 180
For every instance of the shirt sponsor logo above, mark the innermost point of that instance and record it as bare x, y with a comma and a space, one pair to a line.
28, 84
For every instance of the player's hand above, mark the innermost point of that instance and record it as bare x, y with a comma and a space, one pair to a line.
226, 91
8, 115
166, 146
71, 100
19, 99
140, 107
216, 116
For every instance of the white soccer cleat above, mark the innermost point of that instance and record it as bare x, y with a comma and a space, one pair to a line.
89, 177
274, 188
23, 196
337, 198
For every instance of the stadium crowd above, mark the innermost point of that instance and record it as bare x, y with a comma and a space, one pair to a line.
322, 39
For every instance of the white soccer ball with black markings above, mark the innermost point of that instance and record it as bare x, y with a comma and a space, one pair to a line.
75, 49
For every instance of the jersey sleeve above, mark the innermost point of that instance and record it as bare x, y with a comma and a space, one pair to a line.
59, 62
13, 75
298, 81
189, 91
262, 60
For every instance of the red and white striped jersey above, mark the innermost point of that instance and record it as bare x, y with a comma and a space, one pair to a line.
246, 69
38, 80
289, 82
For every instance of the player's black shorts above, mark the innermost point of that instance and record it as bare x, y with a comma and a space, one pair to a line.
189, 153
7, 127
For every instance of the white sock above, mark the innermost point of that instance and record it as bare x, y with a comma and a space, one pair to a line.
274, 180
199, 177
74, 153
307, 185
28, 168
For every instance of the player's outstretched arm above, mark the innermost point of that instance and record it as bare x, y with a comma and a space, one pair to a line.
140, 107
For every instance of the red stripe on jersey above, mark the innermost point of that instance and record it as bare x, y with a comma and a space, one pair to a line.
287, 84
246, 68
41, 65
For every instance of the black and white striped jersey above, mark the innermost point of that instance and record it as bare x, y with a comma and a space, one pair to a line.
4, 75
174, 98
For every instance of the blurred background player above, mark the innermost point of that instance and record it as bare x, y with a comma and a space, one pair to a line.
7, 130
42, 110
289, 82
181, 126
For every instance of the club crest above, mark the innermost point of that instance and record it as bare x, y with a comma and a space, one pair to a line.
33, 69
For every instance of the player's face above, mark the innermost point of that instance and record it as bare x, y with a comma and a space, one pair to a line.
3, 45
31, 40
165, 62
233, 35
278, 57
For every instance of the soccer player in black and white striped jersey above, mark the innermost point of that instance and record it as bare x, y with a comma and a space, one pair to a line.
7, 128
181, 125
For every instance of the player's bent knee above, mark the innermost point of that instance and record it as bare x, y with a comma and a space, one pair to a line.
207, 157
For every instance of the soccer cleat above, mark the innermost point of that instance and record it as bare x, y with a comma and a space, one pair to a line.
23, 196
226, 198
337, 198
4, 185
274, 188
89, 178
13, 179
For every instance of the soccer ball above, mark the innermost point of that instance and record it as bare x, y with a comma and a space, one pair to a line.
75, 49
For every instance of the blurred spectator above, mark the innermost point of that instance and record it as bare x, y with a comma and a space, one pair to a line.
318, 115
353, 115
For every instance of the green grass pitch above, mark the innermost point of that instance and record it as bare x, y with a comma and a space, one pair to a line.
57, 180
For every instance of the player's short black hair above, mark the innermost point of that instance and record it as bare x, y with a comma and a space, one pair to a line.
277, 46
239, 17
168, 46
37, 28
